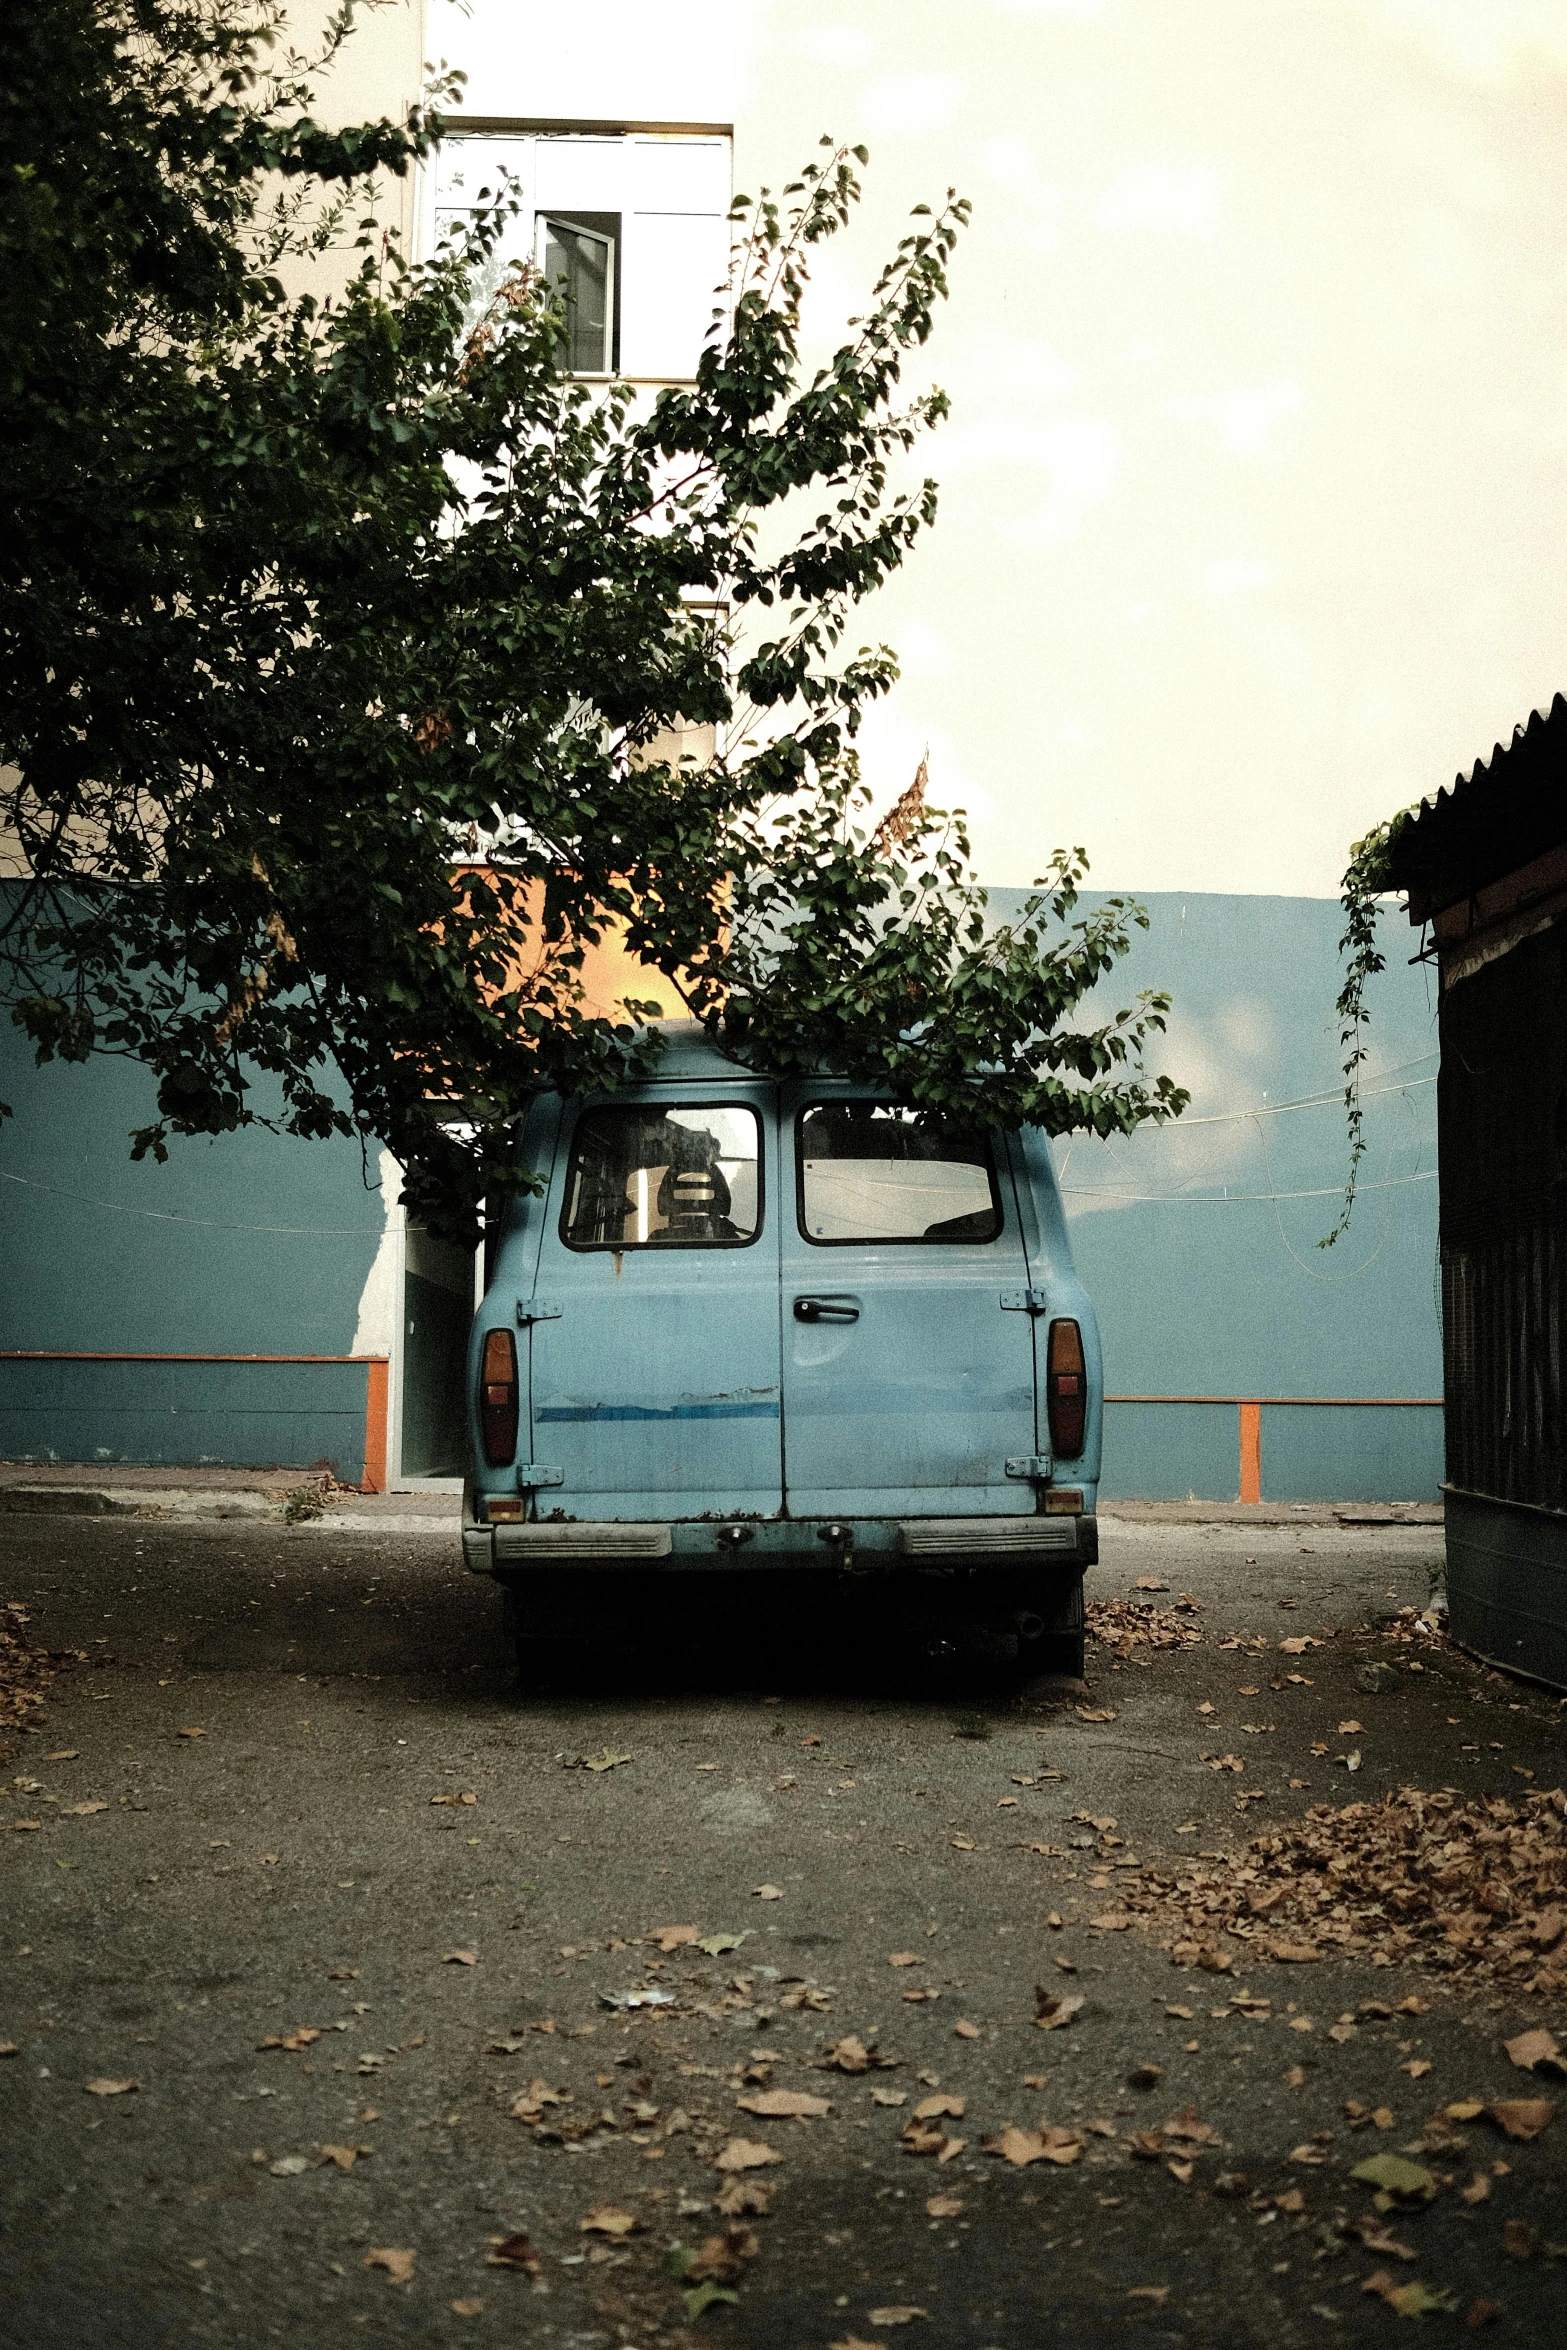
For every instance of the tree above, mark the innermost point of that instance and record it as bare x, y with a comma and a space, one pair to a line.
336, 638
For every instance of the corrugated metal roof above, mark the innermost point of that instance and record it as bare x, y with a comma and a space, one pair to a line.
1509, 810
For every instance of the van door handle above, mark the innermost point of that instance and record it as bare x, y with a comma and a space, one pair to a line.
825, 1309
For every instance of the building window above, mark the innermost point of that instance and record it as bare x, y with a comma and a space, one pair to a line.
577, 254
632, 226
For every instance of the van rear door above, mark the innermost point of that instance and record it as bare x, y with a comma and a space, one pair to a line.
908, 1348
655, 1384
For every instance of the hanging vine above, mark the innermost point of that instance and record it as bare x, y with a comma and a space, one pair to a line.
1367, 878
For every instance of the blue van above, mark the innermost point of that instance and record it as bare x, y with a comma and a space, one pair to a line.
798, 1327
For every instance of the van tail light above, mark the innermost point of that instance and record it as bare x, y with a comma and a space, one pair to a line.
498, 1399
1066, 1391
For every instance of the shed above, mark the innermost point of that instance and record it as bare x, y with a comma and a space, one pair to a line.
1484, 864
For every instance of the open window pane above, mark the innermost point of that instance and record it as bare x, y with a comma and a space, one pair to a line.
642, 1177
579, 264
875, 1171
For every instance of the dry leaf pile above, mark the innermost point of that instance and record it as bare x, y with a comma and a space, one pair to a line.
1126, 1625
25, 1671
1476, 1887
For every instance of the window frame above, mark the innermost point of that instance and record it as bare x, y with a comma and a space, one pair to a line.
890, 1240
545, 219
599, 1248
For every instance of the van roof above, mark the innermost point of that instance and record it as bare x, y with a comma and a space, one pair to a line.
690, 1052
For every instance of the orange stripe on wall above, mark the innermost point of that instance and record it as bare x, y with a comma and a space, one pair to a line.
1251, 1452
375, 1425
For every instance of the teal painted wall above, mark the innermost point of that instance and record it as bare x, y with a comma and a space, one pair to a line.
1194, 1240
1198, 1241
247, 1244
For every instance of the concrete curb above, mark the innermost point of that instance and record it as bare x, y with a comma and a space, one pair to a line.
109, 1501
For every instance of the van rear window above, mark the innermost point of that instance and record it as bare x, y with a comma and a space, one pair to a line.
876, 1171
643, 1177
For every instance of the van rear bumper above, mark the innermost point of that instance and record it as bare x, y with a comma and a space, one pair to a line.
863, 1546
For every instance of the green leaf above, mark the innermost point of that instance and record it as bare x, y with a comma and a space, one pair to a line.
1400, 2182
706, 2296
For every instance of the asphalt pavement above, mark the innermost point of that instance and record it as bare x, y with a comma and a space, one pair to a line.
316, 1964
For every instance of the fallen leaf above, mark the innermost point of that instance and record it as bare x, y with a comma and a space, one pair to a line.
1295, 2077
1350, 1730
1376, 2237
344, 2156
1150, 1583
716, 1944
854, 2342
1294, 1953
1411, 2300
904, 1958
1477, 2191
105, 2087
673, 1937
1046, 2144
767, 1892
1096, 1713
963, 1844
784, 2105
467, 2306
967, 2031
1482, 2313
722, 2260
1158, 2294
913, 1998
79, 1811
607, 1761
399, 2266
931, 2108
1522, 2117
744, 2154
289, 2166
1052, 2009
1298, 1645
1400, 2184
459, 1958
943, 2206
193, 1733
64, 1754
900, 2313
1112, 1921
303, 2036
741, 2195
1536, 2051
888, 2097
607, 2219
849, 2055
530, 2102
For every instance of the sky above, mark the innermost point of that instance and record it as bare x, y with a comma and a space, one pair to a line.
1254, 485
